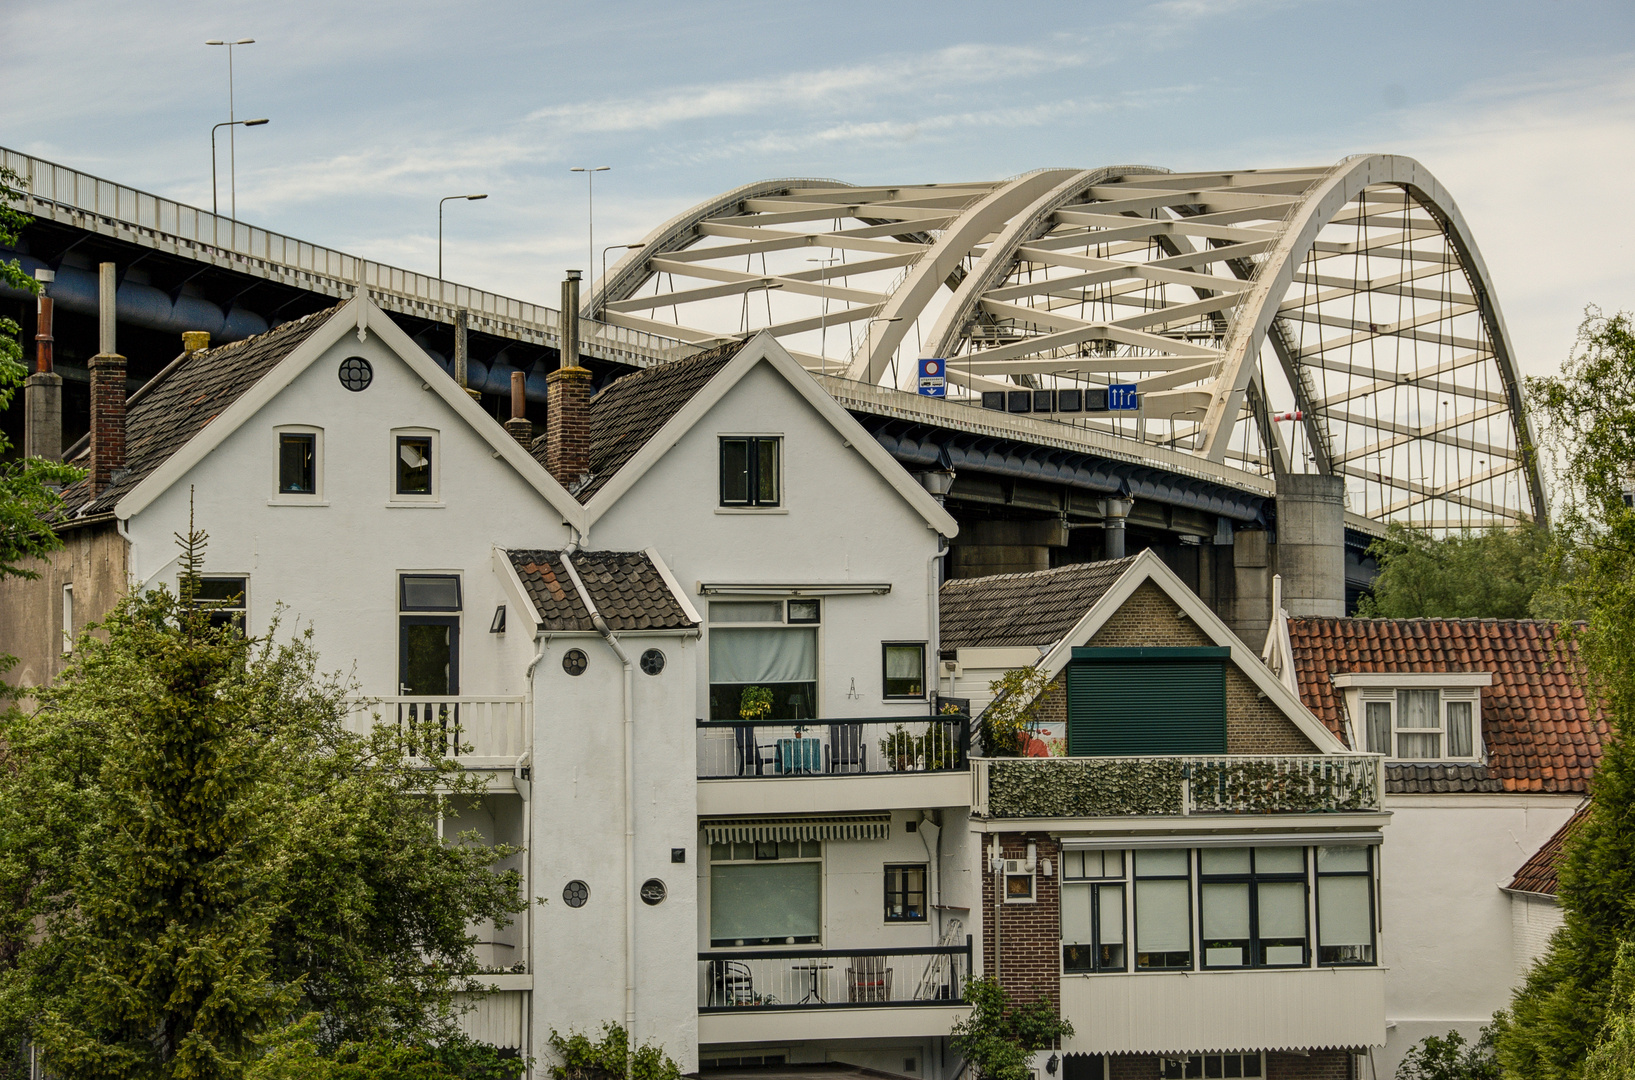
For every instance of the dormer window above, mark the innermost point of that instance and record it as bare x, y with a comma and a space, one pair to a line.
1417, 717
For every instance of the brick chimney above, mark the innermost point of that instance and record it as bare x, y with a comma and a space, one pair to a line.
520, 427
567, 424
42, 391
107, 392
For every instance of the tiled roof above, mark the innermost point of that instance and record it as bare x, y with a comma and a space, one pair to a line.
631, 410
1023, 609
625, 586
1541, 731
1538, 873
1438, 778
193, 392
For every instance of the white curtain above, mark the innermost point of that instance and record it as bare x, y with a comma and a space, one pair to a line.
1418, 709
753, 655
1076, 914
1282, 909
1225, 915
905, 662
1459, 729
765, 900
1162, 919
1342, 911
1379, 726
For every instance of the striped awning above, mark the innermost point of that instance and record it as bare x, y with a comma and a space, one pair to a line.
747, 830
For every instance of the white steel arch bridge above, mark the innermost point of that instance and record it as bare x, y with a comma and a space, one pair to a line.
1346, 304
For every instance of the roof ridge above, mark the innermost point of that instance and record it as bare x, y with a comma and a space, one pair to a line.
1034, 575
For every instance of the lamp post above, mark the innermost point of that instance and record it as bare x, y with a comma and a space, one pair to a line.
214, 209
870, 326
602, 295
590, 207
440, 202
232, 156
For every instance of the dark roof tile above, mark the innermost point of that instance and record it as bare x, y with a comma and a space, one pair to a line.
1023, 609
626, 587
1538, 873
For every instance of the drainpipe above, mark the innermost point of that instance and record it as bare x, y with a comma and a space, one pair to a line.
527, 807
933, 852
998, 865
629, 815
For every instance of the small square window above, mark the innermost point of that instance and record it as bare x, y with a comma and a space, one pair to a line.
904, 670
905, 893
1018, 887
414, 465
805, 611
225, 597
297, 463
751, 470
429, 592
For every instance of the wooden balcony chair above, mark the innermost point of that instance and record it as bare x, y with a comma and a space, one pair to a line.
868, 979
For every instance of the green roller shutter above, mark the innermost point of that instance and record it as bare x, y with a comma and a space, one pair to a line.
1123, 702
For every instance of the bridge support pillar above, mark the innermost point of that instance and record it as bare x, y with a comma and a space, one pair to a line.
1311, 544
1250, 611
1004, 547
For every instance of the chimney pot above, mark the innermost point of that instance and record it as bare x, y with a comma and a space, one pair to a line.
570, 321
195, 340
107, 393
520, 427
42, 391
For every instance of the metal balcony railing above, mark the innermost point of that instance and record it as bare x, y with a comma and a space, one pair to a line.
475, 731
852, 747
1177, 786
832, 978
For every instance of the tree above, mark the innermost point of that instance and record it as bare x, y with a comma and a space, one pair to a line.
999, 1039
194, 853
609, 1057
1450, 1059
28, 488
1482, 574
1587, 416
1613, 1056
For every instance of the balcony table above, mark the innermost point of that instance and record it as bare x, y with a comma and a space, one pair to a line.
799, 756
816, 992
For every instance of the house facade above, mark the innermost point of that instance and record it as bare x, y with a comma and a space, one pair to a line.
1184, 858
1489, 741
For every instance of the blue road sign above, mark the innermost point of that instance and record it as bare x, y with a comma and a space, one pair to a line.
933, 378
1123, 396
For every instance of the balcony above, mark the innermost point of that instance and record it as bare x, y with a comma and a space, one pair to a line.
780, 980
853, 747
478, 732
1116, 787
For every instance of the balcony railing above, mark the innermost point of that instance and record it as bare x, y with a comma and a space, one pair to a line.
832, 978
476, 731
1177, 786
852, 747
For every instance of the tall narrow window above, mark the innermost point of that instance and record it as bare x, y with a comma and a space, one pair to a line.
1460, 742
414, 465
68, 618
904, 670
297, 463
1345, 905
428, 643
1378, 716
751, 468
1163, 910
1093, 911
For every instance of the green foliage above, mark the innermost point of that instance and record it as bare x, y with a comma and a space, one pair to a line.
293, 1054
755, 703
1117, 787
934, 748
999, 1038
1484, 574
582, 1059
1587, 420
28, 488
1011, 718
1613, 1056
1450, 1059
193, 851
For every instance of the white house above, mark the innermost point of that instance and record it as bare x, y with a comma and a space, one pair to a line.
1489, 743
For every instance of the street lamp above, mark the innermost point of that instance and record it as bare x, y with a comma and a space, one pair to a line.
232, 157
440, 202
214, 208
869, 327
590, 206
611, 247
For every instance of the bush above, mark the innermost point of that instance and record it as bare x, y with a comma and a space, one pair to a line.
999, 1039
583, 1059
1451, 1059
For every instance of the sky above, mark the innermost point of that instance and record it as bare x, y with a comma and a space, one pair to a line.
1524, 110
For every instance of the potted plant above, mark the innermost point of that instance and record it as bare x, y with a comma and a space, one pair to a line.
899, 750
756, 703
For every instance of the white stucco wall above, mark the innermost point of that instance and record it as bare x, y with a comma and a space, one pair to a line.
1533, 922
335, 565
578, 834
840, 521
1447, 941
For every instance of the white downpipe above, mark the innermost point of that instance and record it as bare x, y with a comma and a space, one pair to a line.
527, 833
933, 852
628, 697
933, 628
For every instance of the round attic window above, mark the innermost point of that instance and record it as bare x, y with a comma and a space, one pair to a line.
356, 373
652, 662
575, 893
574, 662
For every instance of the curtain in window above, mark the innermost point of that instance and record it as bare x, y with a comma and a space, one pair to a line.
1112, 915
1225, 915
1378, 715
1342, 911
1076, 914
752, 655
1418, 709
1282, 909
1460, 742
766, 900
905, 662
1162, 919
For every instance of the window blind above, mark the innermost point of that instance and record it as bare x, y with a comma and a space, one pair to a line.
752, 655
768, 900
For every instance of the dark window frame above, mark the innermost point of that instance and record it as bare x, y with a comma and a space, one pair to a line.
1254, 944
885, 677
223, 611
905, 893
453, 623
753, 467
1133, 947
403, 592
1096, 885
310, 438
1373, 911
398, 465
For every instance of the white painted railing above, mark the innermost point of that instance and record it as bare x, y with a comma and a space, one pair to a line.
478, 732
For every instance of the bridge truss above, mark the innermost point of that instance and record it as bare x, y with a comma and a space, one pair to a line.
1348, 304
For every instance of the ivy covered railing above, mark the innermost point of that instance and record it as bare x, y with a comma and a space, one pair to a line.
1177, 786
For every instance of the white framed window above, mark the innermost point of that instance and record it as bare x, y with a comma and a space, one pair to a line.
766, 892
68, 618
1423, 723
416, 463
298, 466
764, 659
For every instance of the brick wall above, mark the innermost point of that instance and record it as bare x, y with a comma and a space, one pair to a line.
1029, 944
567, 424
107, 419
